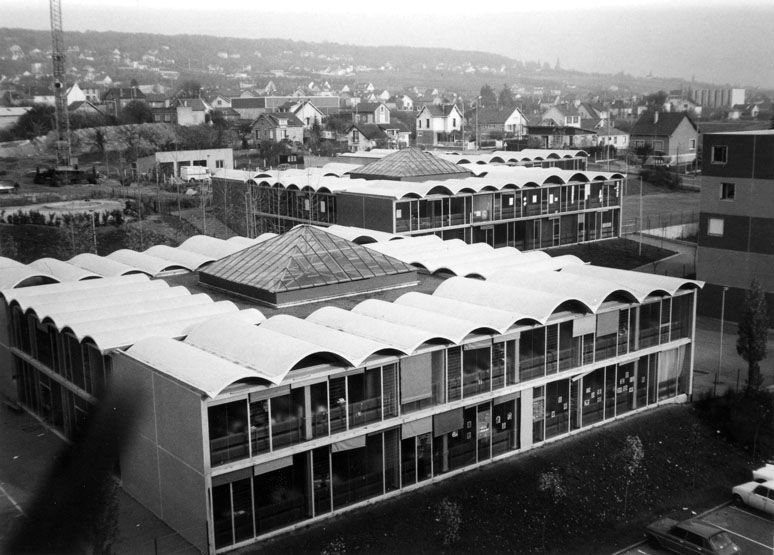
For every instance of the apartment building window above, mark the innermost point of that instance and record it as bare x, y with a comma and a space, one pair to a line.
715, 227
727, 191
719, 154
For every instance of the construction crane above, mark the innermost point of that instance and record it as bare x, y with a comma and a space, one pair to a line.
58, 54
65, 169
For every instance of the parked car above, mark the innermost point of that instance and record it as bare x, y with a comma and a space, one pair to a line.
690, 536
756, 495
764, 473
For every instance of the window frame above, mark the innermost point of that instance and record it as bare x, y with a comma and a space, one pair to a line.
728, 191
710, 227
714, 159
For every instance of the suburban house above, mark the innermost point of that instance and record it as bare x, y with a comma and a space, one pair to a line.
562, 116
84, 107
398, 134
371, 112
307, 113
587, 110
192, 111
249, 107
554, 136
682, 104
279, 126
494, 122
365, 136
671, 136
741, 111
117, 98
405, 102
438, 124
220, 101
612, 137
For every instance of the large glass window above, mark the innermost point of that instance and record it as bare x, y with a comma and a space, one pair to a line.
511, 373
623, 331
390, 390
538, 413
498, 365
505, 425
365, 397
228, 432
552, 348
557, 408
610, 386
282, 494
454, 373
337, 400
232, 508
321, 480
416, 382
357, 471
259, 425
532, 350
592, 396
682, 316
567, 356
625, 386
287, 419
476, 371
650, 315
318, 394
607, 335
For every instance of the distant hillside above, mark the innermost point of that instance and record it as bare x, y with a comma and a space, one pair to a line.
218, 61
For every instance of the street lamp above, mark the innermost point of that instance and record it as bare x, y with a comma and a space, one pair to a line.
720, 348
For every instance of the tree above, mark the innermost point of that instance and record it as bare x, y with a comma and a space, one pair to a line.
189, 89
752, 333
136, 111
632, 455
506, 97
551, 485
656, 99
488, 97
38, 121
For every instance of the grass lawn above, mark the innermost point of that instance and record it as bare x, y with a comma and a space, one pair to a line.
614, 253
687, 466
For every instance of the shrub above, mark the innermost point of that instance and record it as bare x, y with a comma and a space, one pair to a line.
448, 515
661, 176
746, 418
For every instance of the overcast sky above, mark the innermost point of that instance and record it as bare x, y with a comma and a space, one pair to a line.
717, 41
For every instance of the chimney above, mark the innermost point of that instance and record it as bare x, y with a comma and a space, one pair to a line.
655, 117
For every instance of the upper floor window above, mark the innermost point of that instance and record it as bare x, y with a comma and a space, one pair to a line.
219, 163
692, 144
419, 124
719, 154
727, 191
427, 123
454, 122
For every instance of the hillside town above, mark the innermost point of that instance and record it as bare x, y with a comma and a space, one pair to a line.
270, 295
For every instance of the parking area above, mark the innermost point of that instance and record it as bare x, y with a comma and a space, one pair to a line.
752, 531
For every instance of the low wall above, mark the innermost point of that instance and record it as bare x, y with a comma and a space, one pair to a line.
680, 231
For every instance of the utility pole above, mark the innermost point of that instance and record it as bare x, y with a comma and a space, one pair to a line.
640, 249
722, 320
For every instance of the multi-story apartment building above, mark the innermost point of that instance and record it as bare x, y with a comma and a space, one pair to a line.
736, 226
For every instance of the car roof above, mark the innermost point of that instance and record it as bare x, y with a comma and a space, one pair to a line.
701, 528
